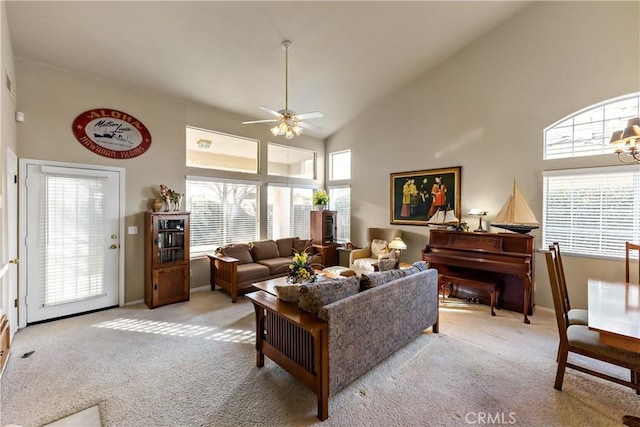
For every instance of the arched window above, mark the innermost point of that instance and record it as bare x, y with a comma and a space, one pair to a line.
588, 131
591, 211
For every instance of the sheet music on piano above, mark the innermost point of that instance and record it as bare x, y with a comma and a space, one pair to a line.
503, 258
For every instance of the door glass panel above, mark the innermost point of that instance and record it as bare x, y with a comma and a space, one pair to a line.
73, 236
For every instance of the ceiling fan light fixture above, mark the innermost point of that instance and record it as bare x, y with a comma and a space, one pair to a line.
288, 121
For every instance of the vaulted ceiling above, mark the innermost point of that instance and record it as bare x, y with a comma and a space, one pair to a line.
345, 56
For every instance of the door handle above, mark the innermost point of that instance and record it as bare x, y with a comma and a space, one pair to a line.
14, 261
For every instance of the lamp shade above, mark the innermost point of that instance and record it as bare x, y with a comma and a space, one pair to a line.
397, 244
476, 211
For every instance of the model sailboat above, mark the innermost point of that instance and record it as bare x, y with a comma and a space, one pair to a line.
516, 215
443, 217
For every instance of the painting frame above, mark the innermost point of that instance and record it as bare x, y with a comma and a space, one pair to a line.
416, 203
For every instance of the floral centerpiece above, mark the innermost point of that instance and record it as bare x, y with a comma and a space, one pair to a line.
299, 270
320, 197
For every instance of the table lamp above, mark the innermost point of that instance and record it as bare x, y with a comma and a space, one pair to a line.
397, 245
479, 213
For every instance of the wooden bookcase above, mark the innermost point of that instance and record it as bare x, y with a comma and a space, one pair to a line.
324, 228
166, 263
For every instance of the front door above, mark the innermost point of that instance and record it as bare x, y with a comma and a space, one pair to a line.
72, 225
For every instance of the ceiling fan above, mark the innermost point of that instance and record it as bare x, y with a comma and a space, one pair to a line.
289, 124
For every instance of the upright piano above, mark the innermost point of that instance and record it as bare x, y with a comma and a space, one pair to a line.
502, 258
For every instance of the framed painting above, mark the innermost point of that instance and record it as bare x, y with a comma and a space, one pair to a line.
428, 197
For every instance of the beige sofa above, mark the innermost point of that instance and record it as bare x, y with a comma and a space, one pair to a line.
236, 266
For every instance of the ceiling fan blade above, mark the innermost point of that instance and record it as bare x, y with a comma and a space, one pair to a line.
312, 115
269, 110
309, 126
260, 121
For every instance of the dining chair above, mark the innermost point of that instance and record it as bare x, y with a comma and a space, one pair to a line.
576, 316
579, 339
628, 248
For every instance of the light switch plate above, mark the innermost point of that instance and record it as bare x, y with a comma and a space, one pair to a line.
133, 229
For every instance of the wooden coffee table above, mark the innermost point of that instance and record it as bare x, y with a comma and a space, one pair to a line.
269, 286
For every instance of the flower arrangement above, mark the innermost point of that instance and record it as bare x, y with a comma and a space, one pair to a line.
300, 270
320, 197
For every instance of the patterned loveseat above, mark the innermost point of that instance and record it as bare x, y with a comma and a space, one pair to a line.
341, 328
236, 266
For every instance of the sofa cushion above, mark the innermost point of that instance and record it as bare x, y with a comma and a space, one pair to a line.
377, 278
290, 293
285, 246
379, 247
264, 249
303, 245
252, 272
363, 265
315, 295
278, 265
241, 251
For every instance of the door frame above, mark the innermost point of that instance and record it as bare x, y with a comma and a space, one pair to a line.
22, 249
11, 242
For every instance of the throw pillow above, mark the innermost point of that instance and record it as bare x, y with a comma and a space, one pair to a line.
411, 270
288, 293
421, 265
241, 251
265, 249
379, 247
377, 278
302, 245
314, 296
385, 264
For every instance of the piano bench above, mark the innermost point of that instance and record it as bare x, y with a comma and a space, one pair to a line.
493, 289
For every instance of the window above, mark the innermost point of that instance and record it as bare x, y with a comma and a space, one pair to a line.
214, 150
288, 211
592, 211
340, 165
291, 162
340, 201
221, 213
588, 132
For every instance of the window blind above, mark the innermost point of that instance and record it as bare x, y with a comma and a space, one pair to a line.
221, 213
72, 240
340, 201
592, 211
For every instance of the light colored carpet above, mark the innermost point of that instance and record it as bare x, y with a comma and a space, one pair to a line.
193, 364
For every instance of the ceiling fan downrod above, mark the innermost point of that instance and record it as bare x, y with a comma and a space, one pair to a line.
286, 45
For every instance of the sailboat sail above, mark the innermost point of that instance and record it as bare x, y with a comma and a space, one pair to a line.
516, 215
443, 217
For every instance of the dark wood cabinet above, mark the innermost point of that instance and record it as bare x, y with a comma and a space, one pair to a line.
167, 268
329, 253
324, 228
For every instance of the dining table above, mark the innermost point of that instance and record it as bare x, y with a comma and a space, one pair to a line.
614, 312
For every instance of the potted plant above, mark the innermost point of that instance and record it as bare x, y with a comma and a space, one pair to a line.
320, 199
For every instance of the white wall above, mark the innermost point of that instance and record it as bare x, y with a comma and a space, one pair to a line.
485, 110
51, 99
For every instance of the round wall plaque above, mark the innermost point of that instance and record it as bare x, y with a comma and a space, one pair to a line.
112, 133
